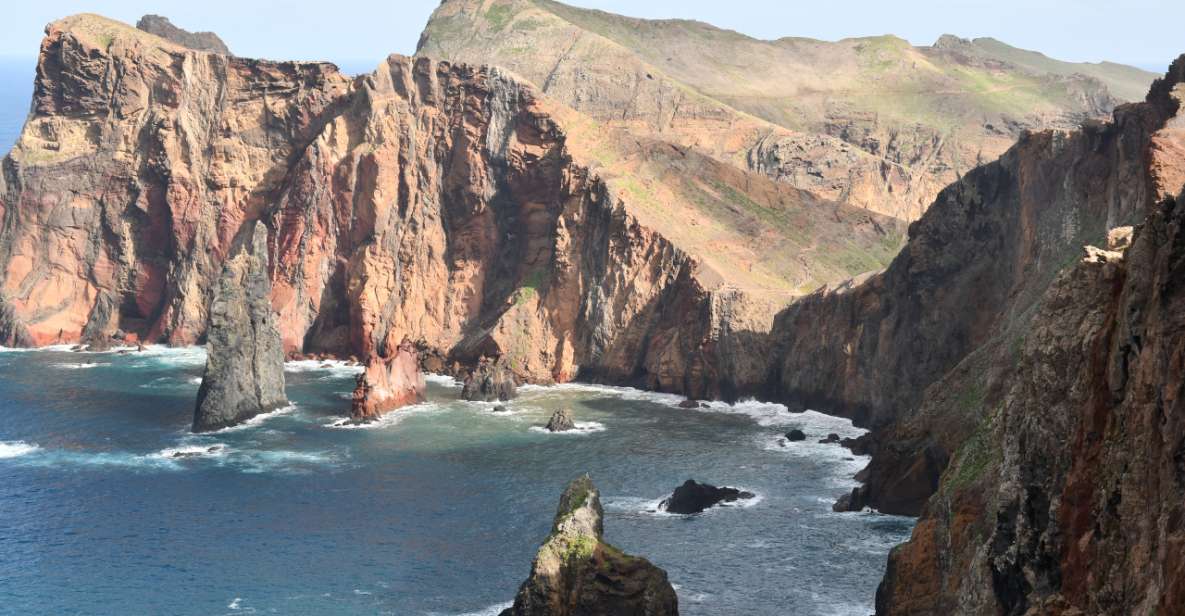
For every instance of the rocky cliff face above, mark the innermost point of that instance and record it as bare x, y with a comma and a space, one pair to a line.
874, 122
920, 353
1070, 496
244, 374
428, 200
389, 383
201, 41
577, 574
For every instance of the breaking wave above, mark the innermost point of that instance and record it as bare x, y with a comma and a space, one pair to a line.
582, 428
14, 449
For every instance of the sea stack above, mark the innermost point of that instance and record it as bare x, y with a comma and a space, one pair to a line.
561, 421
389, 383
245, 361
490, 381
576, 573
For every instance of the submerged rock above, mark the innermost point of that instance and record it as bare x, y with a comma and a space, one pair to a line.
561, 421
832, 439
388, 384
244, 374
576, 573
490, 381
695, 497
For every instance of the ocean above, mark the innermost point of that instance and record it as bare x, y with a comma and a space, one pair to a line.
436, 510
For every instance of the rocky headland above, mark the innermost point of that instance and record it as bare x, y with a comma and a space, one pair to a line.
201, 41
576, 573
244, 375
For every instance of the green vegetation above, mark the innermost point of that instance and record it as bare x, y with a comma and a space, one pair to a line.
973, 458
530, 287
970, 398
105, 40
580, 548
498, 16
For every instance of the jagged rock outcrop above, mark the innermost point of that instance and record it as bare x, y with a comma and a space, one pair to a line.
1070, 496
244, 374
201, 41
576, 573
445, 202
873, 121
490, 381
389, 383
694, 497
561, 421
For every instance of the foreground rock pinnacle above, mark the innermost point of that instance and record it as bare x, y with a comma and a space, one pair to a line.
576, 573
245, 362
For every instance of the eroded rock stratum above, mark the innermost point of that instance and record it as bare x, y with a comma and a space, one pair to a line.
427, 200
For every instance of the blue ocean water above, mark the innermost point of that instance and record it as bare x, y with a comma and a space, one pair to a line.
436, 510
16, 88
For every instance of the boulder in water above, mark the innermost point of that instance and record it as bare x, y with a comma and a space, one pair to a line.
831, 439
561, 421
576, 573
244, 374
490, 381
795, 435
695, 497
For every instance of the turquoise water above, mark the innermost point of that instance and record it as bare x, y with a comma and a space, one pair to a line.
436, 510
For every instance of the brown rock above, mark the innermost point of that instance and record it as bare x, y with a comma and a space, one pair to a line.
388, 384
576, 573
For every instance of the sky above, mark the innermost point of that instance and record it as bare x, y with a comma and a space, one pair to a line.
359, 33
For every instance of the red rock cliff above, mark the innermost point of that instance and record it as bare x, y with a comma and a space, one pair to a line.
436, 201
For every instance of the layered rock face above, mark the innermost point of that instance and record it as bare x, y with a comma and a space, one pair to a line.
244, 374
389, 383
922, 352
201, 41
577, 574
443, 202
1070, 496
874, 122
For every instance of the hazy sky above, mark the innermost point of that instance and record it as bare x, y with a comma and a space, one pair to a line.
1142, 32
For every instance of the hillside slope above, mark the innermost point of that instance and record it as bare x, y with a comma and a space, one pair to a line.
443, 202
874, 122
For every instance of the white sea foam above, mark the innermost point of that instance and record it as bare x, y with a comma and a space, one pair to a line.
192, 451
492, 610
386, 421
158, 355
333, 368
80, 365
653, 506
624, 393
60, 348
583, 428
172, 382
258, 420
14, 449
442, 379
